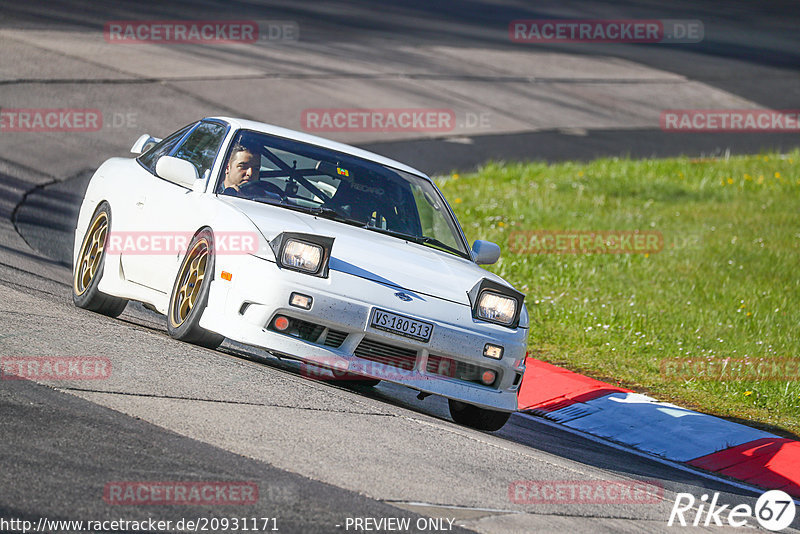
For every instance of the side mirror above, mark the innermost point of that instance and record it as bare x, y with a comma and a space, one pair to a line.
486, 252
177, 170
144, 143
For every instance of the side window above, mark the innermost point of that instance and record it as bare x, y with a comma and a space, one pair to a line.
202, 145
149, 158
434, 223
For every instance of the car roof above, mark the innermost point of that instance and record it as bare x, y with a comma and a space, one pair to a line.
319, 141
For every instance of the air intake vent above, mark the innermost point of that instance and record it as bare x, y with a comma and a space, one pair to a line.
334, 339
375, 351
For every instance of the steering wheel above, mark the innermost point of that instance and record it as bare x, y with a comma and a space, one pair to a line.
259, 188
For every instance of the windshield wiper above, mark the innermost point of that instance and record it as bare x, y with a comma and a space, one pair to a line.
320, 211
419, 239
269, 200
330, 213
436, 243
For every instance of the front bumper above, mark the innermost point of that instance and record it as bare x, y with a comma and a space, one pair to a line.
243, 308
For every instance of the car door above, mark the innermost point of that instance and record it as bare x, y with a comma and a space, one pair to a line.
171, 211
132, 223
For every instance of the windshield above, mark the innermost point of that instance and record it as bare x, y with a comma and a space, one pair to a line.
304, 177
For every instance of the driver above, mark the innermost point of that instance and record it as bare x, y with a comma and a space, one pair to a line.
243, 167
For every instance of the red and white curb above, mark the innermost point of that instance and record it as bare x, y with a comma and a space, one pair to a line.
660, 428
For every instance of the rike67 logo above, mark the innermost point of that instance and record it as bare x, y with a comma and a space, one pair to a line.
774, 510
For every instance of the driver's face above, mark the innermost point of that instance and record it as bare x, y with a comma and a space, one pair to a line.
242, 167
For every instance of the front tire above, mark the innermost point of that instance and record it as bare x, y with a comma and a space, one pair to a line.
478, 418
89, 265
189, 295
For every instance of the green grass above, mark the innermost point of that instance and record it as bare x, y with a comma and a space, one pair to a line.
726, 284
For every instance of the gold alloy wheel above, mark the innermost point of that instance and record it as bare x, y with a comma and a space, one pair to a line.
191, 276
91, 254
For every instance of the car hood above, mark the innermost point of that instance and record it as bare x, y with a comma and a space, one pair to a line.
374, 256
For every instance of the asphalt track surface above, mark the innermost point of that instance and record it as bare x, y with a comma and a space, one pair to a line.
320, 453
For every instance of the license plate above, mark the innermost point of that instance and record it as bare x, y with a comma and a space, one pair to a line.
401, 325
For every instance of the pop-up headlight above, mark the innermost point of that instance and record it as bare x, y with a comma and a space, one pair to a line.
496, 303
301, 256
306, 253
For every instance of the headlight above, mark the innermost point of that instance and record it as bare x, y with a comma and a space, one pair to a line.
495, 302
302, 256
497, 308
306, 253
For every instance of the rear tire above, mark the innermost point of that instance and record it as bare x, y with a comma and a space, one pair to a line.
478, 418
189, 295
89, 265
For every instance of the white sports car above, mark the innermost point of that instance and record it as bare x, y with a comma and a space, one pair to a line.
310, 249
